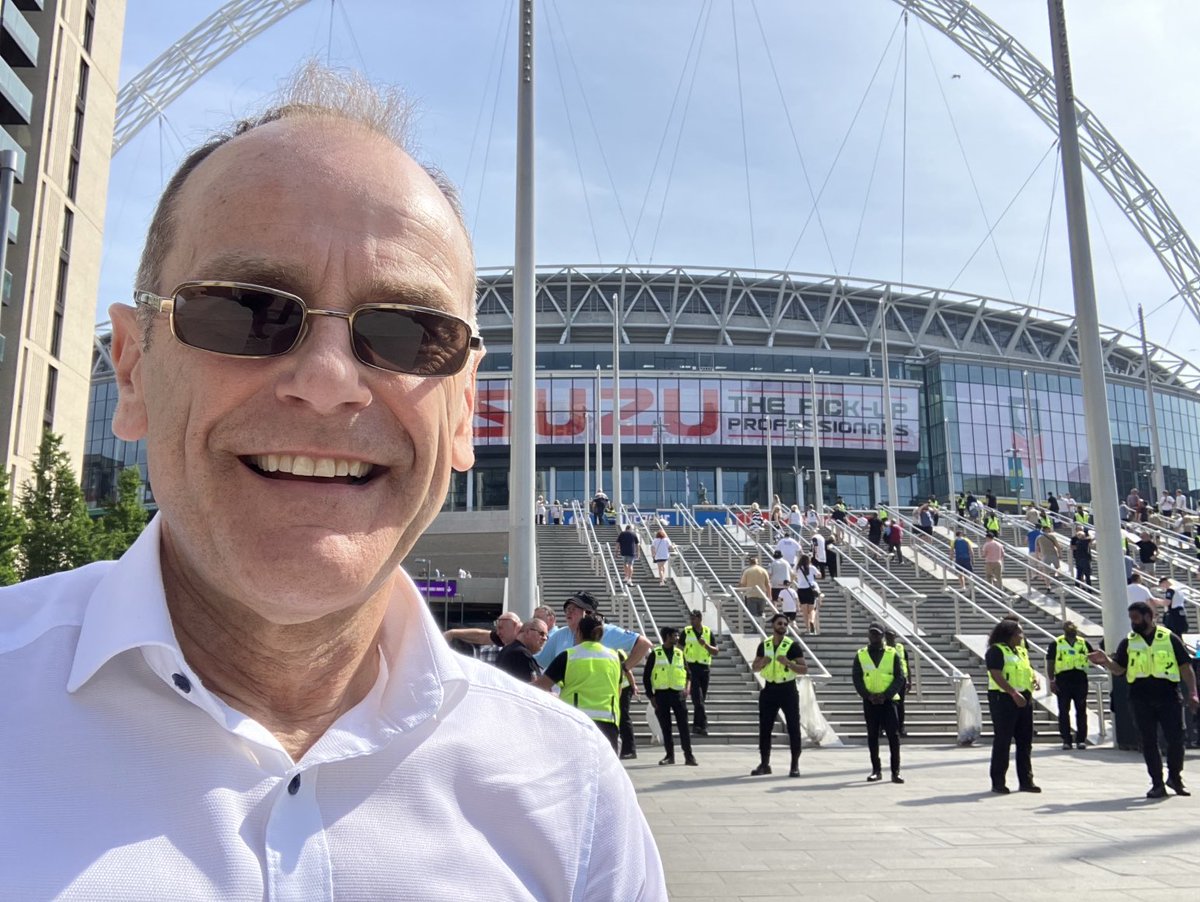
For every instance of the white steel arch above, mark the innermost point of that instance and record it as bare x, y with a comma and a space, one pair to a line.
1016, 68
187, 60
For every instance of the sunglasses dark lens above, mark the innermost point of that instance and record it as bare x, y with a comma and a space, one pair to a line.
243, 322
411, 341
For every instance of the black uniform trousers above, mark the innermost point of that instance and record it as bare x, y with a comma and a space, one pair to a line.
610, 731
1072, 691
882, 717
1154, 711
628, 745
773, 698
670, 701
1175, 619
1011, 723
699, 674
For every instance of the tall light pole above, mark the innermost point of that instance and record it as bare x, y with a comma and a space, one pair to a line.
587, 462
818, 488
950, 464
1091, 371
770, 465
522, 542
1160, 482
1034, 485
598, 417
796, 426
616, 407
662, 466
889, 438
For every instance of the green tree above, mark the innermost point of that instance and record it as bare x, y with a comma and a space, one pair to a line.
12, 528
58, 534
123, 520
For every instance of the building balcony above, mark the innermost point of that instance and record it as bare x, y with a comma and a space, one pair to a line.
8, 142
14, 225
30, 6
16, 100
18, 40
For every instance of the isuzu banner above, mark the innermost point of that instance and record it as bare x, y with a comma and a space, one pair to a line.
705, 411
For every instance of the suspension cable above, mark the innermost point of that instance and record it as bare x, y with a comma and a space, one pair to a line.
862, 216
966, 161
737, 62
1003, 213
846, 137
787, 113
329, 35
353, 39
666, 128
903, 149
1044, 250
571, 131
687, 102
501, 41
487, 147
1111, 256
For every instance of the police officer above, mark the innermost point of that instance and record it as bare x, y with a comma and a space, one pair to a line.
698, 651
1154, 660
1067, 668
665, 678
1010, 702
590, 677
902, 692
779, 659
877, 679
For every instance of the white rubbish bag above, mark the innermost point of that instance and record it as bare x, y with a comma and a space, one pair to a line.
656, 737
970, 716
812, 722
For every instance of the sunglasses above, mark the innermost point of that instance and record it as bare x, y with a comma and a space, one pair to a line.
241, 320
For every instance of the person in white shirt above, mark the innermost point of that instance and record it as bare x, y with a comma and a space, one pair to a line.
255, 702
1138, 592
1181, 502
780, 572
789, 601
819, 554
811, 518
1166, 503
539, 511
795, 517
1175, 598
790, 549
556, 513
662, 547
809, 593
1068, 505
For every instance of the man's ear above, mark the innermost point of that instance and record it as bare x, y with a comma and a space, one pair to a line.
462, 442
129, 421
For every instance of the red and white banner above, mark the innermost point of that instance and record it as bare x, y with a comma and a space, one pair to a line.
705, 411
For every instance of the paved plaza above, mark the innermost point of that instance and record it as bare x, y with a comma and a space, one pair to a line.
1090, 835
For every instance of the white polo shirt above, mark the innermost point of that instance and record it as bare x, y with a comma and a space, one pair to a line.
122, 778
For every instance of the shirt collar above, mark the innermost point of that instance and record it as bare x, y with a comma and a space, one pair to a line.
420, 676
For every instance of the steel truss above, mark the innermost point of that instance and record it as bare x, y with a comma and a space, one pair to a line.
692, 307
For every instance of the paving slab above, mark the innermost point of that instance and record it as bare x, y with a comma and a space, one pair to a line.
942, 835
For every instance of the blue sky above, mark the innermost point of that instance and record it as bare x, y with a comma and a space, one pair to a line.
600, 169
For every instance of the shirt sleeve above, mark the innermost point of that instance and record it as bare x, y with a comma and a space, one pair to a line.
1182, 658
994, 658
557, 642
557, 670
795, 652
621, 860
856, 674
619, 639
1121, 658
761, 651
647, 669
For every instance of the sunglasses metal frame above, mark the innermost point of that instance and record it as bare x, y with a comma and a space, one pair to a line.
166, 304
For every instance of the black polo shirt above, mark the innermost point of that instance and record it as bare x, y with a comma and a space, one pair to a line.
1154, 689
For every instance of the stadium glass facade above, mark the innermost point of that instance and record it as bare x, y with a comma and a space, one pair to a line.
715, 366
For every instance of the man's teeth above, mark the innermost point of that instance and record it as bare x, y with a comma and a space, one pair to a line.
299, 465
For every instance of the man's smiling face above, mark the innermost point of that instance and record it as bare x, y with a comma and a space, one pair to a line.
341, 217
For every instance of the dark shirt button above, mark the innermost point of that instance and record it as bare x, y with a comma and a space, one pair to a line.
294, 786
182, 682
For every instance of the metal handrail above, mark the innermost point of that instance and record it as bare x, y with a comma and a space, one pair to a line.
649, 614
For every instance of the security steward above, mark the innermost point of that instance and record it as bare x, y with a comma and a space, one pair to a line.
590, 677
698, 651
991, 523
1010, 702
1067, 667
1154, 660
877, 678
779, 659
840, 513
665, 677
902, 693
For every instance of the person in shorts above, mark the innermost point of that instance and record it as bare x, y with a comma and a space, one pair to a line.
627, 543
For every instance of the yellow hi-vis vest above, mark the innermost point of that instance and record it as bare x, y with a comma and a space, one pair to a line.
694, 651
1154, 660
1017, 670
993, 524
1069, 657
903, 653
877, 677
776, 671
593, 680
666, 674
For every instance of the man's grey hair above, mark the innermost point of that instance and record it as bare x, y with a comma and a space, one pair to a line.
314, 91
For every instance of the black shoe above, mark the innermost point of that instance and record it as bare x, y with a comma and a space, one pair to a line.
761, 771
1067, 746
670, 759
1177, 787
1001, 789
699, 731
1029, 787
875, 777
626, 756
1081, 745
896, 778
691, 762
795, 771
903, 732
1157, 791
